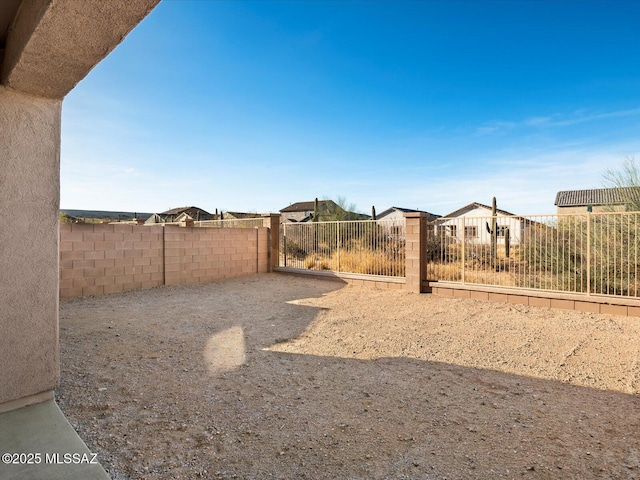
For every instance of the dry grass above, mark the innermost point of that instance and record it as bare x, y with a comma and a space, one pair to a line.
317, 262
448, 272
363, 261
452, 272
371, 262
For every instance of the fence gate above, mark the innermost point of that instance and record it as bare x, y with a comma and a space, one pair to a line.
364, 246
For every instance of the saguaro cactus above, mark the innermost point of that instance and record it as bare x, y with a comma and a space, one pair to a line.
507, 242
493, 230
315, 227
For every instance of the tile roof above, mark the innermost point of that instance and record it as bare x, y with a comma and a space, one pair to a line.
473, 205
432, 216
598, 196
179, 210
307, 206
195, 213
242, 215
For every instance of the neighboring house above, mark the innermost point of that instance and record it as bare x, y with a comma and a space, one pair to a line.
396, 214
97, 216
327, 209
393, 222
154, 219
471, 221
162, 219
195, 213
303, 211
183, 217
596, 200
240, 215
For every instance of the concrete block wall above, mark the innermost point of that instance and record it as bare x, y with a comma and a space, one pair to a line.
595, 304
98, 259
414, 251
198, 255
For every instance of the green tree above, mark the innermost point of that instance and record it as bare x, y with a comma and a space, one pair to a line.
626, 178
338, 210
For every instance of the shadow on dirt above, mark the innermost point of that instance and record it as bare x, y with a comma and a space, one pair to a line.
141, 384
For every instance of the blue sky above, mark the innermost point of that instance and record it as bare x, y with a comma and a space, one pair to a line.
250, 106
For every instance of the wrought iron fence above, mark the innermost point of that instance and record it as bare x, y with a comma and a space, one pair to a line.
365, 246
231, 223
591, 253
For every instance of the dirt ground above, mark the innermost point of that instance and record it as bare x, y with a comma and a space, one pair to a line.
276, 376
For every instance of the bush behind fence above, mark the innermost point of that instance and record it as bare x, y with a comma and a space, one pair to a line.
590, 253
367, 247
594, 253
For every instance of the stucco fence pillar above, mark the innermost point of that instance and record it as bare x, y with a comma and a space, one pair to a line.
272, 222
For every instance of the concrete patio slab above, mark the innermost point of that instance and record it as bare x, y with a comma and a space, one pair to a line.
37, 443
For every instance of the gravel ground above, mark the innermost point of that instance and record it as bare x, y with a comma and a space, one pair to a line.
276, 376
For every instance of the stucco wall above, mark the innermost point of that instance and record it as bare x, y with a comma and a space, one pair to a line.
50, 46
595, 209
101, 259
29, 196
294, 216
478, 218
396, 217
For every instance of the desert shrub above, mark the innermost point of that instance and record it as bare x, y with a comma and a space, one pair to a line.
556, 256
316, 262
452, 252
294, 250
615, 245
433, 245
451, 272
478, 256
371, 262
443, 255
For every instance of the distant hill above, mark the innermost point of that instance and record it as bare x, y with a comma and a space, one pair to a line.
103, 214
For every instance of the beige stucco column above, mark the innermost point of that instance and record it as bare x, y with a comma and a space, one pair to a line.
29, 196
51, 45
415, 269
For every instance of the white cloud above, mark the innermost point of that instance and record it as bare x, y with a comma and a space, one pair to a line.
526, 184
538, 121
555, 120
495, 126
